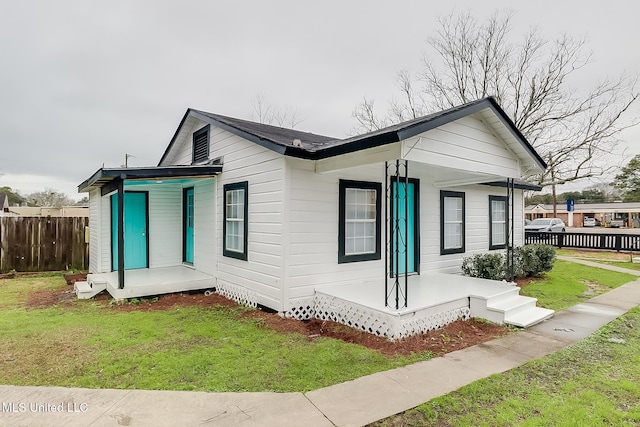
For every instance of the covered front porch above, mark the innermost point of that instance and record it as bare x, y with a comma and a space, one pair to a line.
434, 300
150, 229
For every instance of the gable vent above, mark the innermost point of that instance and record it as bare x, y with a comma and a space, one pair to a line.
201, 145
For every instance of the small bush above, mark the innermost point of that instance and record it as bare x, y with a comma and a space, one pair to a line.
485, 266
546, 255
529, 260
526, 261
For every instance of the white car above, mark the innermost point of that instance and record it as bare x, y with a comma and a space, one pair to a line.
546, 224
589, 222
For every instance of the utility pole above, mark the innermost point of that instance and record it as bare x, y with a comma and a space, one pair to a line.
126, 159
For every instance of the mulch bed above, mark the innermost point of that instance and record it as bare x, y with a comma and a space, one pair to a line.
455, 336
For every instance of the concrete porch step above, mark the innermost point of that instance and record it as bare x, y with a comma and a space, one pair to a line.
85, 291
527, 318
513, 305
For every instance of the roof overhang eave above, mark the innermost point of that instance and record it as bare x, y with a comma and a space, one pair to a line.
107, 175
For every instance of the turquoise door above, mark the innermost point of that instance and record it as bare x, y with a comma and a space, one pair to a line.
405, 236
188, 225
135, 230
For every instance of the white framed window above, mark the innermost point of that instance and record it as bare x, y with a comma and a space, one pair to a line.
359, 222
235, 226
452, 222
360, 219
498, 222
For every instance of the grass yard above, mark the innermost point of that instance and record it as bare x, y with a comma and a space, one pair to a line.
594, 255
595, 382
570, 283
618, 259
85, 343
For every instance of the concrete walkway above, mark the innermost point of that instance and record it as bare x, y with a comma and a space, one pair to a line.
353, 403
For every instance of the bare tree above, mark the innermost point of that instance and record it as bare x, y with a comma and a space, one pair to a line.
574, 131
265, 112
49, 197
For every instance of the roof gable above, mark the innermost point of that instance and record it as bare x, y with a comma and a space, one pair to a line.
294, 143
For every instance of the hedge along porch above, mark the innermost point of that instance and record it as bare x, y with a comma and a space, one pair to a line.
310, 225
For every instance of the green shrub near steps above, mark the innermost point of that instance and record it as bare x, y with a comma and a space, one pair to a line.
529, 260
485, 266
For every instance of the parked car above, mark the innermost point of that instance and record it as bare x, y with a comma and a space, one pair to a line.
546, 224
589, 222
618, 222
527, 221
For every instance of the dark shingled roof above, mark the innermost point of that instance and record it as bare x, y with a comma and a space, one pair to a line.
314, 147
282, 136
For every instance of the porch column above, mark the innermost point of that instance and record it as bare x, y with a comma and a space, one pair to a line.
510, 216
121, 233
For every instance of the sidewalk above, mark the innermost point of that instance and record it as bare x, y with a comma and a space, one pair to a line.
353, 403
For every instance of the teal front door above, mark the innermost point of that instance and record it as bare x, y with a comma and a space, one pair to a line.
187, 201
135, 230
405, 227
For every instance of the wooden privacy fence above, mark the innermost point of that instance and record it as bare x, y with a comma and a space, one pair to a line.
43, 243
613, 242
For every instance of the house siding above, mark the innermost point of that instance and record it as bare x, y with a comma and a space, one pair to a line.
477, 236
95, 215
465, 144
263, 169
313, 226
313, 229
205, 248
105, 234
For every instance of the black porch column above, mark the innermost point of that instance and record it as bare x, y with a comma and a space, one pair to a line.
121, 233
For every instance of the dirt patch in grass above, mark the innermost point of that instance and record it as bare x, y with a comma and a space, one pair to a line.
50, 297
594, 288
455, 336
522, 282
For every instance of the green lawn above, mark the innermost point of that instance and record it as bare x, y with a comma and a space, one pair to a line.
570, 283
595, 382
594, 255
91, 344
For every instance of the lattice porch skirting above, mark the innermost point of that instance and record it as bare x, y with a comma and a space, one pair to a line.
390, 325
302, 309
239, 294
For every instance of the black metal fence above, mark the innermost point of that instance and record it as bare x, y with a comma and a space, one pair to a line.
602, 241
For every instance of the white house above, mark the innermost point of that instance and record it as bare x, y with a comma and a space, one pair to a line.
369, 231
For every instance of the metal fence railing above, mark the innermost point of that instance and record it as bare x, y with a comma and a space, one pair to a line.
602, 241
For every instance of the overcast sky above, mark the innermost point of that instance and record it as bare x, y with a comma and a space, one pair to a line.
84, 82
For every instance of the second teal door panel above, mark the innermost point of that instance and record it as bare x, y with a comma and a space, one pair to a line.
404, 228
188, 225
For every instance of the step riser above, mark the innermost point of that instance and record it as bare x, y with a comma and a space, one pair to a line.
537, 316
512, 293
86, 291
516, 309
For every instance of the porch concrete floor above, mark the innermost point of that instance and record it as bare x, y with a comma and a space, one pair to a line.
154, 281
424, 291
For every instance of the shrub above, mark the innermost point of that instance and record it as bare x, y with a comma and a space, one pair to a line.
529, 260
526, 261
546, 255
485, 266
